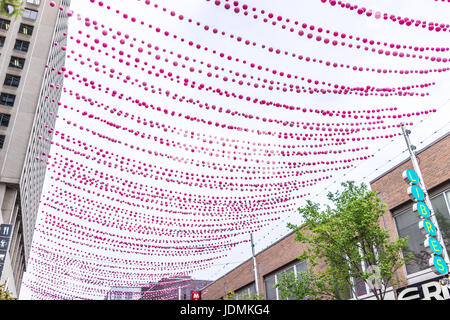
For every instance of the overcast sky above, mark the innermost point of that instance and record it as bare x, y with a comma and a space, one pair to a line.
387, 152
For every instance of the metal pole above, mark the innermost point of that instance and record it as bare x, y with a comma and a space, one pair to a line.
255, 267
416, 167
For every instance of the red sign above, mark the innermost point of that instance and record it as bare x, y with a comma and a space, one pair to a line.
196, 295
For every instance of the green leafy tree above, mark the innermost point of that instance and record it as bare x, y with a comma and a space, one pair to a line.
5, 294
295, 286
11, 8
343, 238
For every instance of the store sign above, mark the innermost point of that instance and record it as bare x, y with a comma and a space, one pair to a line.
5, 238
422, 209
415, 193
431, 244
196, 295
426, 290
410, 176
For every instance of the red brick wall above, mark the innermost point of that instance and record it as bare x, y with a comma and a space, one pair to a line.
275, 257
434, 163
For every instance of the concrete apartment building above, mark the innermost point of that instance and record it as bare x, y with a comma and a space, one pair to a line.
28, 109
417, 279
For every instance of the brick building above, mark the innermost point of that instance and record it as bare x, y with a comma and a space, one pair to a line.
417, 279
401, 221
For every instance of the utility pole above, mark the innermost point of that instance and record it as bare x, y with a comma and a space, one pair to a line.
255, 267
416, 167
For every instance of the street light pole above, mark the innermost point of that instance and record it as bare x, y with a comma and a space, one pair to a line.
255, 267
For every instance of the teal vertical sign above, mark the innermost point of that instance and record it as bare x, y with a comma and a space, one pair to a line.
416, 193
431, 244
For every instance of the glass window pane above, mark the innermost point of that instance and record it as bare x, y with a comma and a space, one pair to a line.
251, 288
4, 119
289, 270
407, 226
301, 267
30, 14
26, 29
360, 287
443, 218
271, 293
4, 24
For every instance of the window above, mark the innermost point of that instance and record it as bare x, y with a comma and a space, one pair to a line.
30, 14
7, 99
247, 290
12, 80
26, 29
359, 285
35, 2
22, 45
2, 41
407, 226
270, 281
4, 119
4, 24
441, 207
2, 141
17, 62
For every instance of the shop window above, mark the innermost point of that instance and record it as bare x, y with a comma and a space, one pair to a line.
2, 141
270, 281
2, 41
407, 226
359, 287
441, 207
271, 292
301, 267
247, 290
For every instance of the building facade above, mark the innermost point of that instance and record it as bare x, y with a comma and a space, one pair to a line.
417, 281
401, 221
30, 58
165, 289
271, 262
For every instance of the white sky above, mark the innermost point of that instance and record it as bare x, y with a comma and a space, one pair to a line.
426, 129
